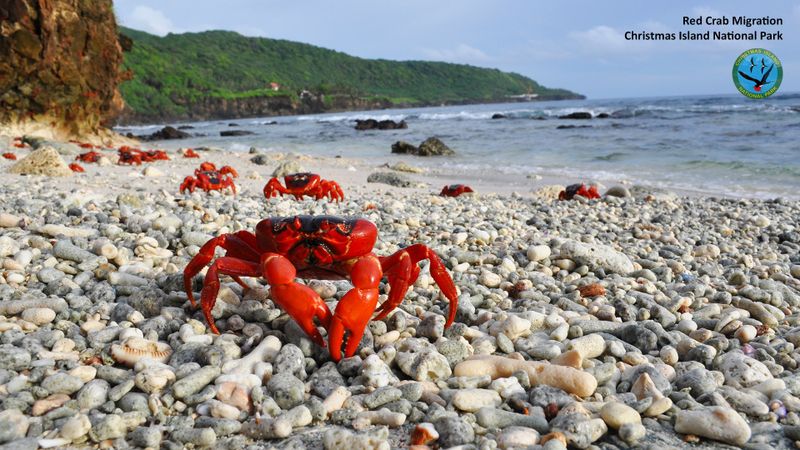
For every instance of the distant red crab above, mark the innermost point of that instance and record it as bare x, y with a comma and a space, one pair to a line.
454, 190
578, 189
323, 247
83, 144
10, 156
224, 170
208, 180
131, 156
300, 184
75, 167
89, 157
190, 153
128, 155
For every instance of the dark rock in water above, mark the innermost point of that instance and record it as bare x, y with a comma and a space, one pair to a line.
261, 160
577, 115
271, 122
570, 127
164, 134
186, 127
430, 147
233, 124
499, 116
372, 124
404, 147
235, 133
603, 116
434, 147
391, 179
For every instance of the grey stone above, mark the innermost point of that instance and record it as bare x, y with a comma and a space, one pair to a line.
453, 431
195, 382
146, 437
62, 383
291, 360
287, 390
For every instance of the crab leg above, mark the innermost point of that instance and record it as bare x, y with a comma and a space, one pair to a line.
227, 266
273, 188
241, 245
417, 253
356, 307
402, 274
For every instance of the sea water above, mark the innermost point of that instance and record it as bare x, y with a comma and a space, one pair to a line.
724, 145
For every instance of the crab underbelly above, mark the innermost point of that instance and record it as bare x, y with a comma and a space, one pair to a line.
321, 273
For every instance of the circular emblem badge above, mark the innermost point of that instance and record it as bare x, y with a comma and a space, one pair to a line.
757, 73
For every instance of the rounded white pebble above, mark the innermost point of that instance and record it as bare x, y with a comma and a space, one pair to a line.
39, 316
538, 253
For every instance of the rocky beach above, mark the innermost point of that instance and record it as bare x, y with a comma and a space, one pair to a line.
643, 319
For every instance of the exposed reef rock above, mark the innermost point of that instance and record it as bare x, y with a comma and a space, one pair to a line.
59, 64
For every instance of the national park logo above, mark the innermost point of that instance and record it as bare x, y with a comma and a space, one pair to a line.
757, 73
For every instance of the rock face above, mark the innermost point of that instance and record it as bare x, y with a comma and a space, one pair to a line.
45, 161
59, 63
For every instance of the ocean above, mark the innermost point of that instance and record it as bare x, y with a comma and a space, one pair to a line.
722, 145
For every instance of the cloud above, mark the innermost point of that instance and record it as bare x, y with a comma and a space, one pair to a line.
462, 53
151, 20
706, 11
602, 39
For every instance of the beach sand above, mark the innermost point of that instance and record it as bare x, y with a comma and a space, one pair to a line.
670, 304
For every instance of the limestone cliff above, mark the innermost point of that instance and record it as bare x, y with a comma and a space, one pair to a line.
59, 65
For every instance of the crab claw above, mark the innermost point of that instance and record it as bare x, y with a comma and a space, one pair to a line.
301, 302
355, 309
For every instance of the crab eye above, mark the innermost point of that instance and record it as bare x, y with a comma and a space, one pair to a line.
343, 228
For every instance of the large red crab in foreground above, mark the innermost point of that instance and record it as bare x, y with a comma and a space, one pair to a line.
322, 247
578, 189
300, 184
454, 190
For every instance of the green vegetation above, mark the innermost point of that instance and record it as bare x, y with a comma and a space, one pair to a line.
175, 72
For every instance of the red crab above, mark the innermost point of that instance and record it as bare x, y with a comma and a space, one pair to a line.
75, 167
207, 180
190, 153
83, 144
300, 184
155, 155
578, 189
454, 190
224, 170
323, 247
131, 156
10, 156
89, 157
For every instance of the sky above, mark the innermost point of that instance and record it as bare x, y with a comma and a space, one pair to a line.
572, 44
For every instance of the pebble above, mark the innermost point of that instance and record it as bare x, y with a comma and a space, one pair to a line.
195, 382
13, 425
62, 383
715, 422
618, 414
538, 253
471, 400
39, 316
75, 427
517, 437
